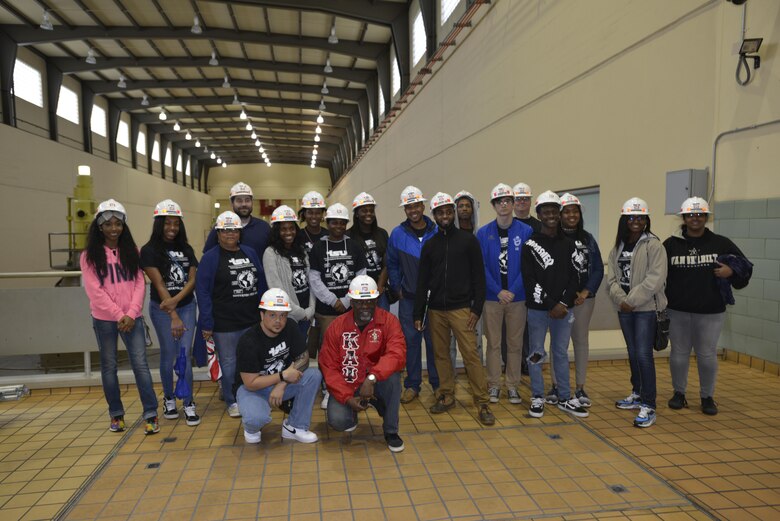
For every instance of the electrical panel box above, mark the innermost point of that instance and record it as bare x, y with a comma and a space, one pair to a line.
682, 184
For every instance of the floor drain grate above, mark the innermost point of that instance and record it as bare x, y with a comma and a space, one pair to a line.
618, 489
153, 466
170, 439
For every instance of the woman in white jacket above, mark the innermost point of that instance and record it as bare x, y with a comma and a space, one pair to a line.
636, 279
286, 266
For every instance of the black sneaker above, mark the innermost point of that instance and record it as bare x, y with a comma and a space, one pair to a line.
170, 412
190, 415
537, 407
394, 442
678, 401
573, 407
552, 396
442, 405
708, 406
582, 396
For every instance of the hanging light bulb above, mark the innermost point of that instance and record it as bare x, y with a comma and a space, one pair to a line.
324, 88
213, 155
261, 149
188, 136
91, 57
265, 156
235, 100
196, 28
46, 24
314, 152
253, 135
226, 83
316, 145
145, 101
219, 160
197, 142
206, 149
224, 165
213, 61
176, 126
318, 130
328, 69
316, 138
248, 125
333, 39
320, 119
322, 104
163, 116
268, 164
257, 143
121, 83
242, 115
312, 165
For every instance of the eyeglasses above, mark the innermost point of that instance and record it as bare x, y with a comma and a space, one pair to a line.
504, 201
637, 217
229, 230
695, 215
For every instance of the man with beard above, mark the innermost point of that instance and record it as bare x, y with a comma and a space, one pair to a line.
367, 232
255, 232
361, 360
452, 277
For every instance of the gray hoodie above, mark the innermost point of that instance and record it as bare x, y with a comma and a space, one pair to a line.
648, 275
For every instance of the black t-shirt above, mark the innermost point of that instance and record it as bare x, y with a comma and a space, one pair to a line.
419, 233
300, 279
533, 222
337, 263
309, 239
624, 264
503, 269
374, 253
258, 353
234, 296
582, 260
174, 267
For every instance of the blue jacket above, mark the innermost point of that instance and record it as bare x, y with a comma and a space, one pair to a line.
403, 256
204, 283
490, 242
256, 235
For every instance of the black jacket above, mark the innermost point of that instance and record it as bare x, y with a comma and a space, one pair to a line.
550, 273
451, 268
691, 284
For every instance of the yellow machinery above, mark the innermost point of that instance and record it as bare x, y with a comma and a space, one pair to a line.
81, 211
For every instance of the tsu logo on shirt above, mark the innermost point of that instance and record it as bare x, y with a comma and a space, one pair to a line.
339, 272
176, 273
246, 279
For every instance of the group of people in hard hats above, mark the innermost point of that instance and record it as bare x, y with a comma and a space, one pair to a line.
324, 291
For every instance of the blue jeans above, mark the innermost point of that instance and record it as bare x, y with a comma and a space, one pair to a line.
639, 331
170, 347
414, 340
539, 322
226, 344
303, 327
388, 402
383, 303
256, 411
106, 332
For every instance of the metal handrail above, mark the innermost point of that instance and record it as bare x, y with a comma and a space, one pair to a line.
39, 274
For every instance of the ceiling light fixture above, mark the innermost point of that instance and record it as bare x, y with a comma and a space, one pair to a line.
213, 61
121, 83
258, 143
314, 152
213, 155
219, 160
265, 156
320, 119
333, 39
188, 136
322, 105
317, 138
205, 149
324, 88
163, 116
248, 125
196, 28
46, 24
224, 165
235, 100
318, 130
253, 135
328, 69
197, 142
312, 165
261, 149
316, 145
268, 164
176, 126
145, 101
242, 115
226, 83
91, 56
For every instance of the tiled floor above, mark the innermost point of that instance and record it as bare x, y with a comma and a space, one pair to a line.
57, 459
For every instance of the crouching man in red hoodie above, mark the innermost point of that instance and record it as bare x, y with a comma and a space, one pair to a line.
361, 359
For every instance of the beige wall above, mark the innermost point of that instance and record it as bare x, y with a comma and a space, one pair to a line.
574, 94
37, 177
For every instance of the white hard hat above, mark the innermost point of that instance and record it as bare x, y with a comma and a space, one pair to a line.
362, 199
464, 193
694, 205
228, 221
275, 299
363, 287
411, 195
499, 191
522, 190
548, 197
441, 199
312, 200
283, 214
114, 208
568, 199
635, 206
167, 208
240, 189
337, 211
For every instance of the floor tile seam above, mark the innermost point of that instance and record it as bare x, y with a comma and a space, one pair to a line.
94, 475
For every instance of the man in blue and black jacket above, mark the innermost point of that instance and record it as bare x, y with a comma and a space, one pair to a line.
403, 261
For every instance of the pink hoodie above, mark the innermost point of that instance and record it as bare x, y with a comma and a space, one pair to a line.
118, 296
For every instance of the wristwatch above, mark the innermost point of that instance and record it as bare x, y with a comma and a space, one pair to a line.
371, 378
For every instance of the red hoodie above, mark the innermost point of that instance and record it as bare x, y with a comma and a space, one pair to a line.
348, 355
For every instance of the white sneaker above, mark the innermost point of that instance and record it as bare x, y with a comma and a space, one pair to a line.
190, 415
514, 396
170, 412
233, 411
325, 398
252, 438
291, 433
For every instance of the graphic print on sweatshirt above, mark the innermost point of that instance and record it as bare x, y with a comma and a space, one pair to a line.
349, 360
243, 277
339, 268
694, 259
274, 362
300, 281
581, 258
624, 265
373, 262
545, 261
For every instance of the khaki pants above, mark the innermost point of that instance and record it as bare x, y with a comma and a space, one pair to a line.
441, 323
494, 314
579, 338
